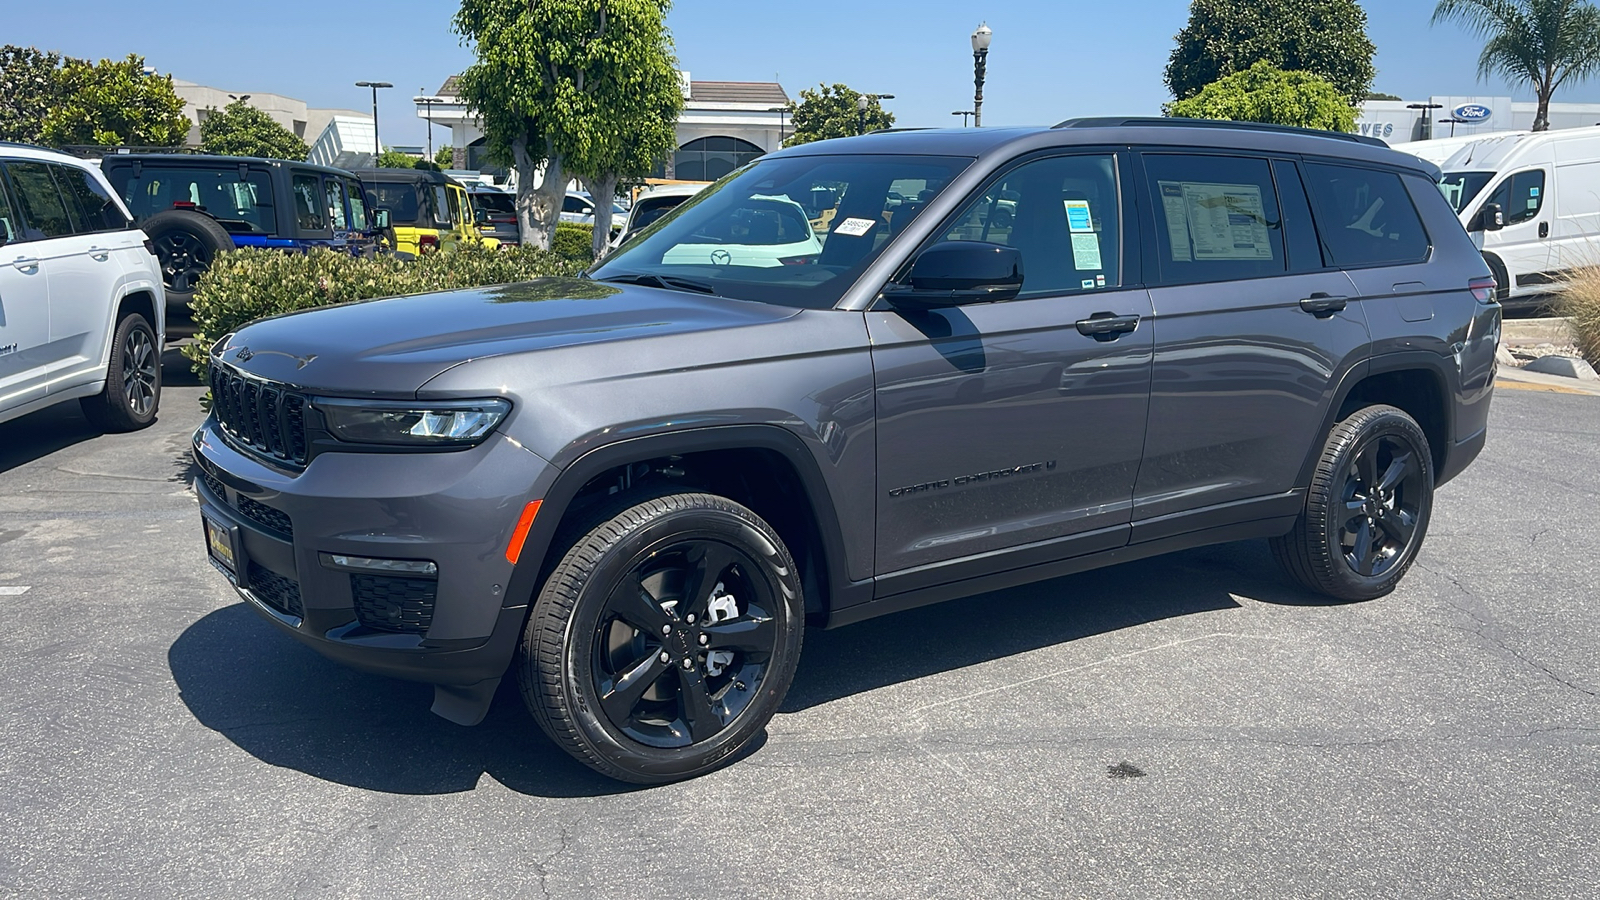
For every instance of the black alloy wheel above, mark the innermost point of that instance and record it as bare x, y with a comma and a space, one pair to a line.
665, 639
183, 258
141, 372
1366, 510
684, 643
1382, 504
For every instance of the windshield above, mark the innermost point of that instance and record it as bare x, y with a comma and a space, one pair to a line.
1460, 187
792, 231
495, 202
241, 203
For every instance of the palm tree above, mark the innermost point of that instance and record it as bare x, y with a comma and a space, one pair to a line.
1540, 42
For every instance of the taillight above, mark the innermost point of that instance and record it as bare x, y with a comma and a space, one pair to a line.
183, 204
798, 260
1482, 288
427, 242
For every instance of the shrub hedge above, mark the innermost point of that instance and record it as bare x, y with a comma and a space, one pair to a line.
250, 283
573, 241
1580, 302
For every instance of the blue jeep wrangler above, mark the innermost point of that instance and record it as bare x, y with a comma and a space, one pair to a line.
194, 207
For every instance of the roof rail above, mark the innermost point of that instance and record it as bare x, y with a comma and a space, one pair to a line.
1175, 122
25, 146
892, 130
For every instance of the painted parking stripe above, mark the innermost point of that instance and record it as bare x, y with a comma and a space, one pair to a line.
13, 590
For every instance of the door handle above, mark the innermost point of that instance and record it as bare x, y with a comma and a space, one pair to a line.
25, 263
1544, 229
100, 254
1323, 305
1104, 326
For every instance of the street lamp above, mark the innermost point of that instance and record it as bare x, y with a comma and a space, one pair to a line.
1427, 111
963, 113
427, 113
238, 96
1453, 120
863, 102
376, 152
980, 65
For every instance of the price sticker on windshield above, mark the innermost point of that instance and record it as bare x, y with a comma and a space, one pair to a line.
855, 227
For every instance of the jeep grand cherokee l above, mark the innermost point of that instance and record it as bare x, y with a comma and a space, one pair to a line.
1015, 354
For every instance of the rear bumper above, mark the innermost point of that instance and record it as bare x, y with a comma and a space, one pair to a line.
458, 628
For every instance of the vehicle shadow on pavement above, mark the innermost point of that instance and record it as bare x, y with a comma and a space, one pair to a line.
973, 630
287, 706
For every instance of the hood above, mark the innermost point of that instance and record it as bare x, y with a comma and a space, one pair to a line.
391, 347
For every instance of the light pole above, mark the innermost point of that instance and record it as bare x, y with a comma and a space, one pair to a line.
1427, 112
782, 111
980, 66
863, 103
376, 152
238, 96
1453, 120
963, 113
427, 113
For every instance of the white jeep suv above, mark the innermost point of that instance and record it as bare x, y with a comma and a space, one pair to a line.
82, 313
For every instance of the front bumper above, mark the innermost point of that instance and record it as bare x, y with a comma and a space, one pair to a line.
456, 510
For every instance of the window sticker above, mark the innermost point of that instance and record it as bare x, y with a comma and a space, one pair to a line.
1100, 280
1088, 284
1177, 220
1223, 221
1078, 219
1086, 252
855, 227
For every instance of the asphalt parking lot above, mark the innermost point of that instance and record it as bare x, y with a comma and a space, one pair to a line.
1192, 726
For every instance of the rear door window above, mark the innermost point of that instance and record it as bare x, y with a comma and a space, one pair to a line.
44, 212
1365, 216
1217, 218
100, 211
333, 190
308, 200
358, 205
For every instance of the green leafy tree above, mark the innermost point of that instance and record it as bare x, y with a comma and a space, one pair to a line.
30, 86
1379, 95
113, 103
391, 158
1541, 43
240, 129
445, 157
1324, 37
568, 87
831, 112
1266, 93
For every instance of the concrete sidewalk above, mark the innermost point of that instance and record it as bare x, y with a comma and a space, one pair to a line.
1511, 378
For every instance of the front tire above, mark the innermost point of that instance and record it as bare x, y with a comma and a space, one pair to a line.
665, 639
132, 394
1367, 510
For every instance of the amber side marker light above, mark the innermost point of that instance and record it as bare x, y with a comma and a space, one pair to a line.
525, 522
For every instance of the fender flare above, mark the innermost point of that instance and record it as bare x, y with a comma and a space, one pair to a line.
1378, 365
558, 499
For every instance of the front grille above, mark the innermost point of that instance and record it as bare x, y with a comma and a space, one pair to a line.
265, 516
265, 416
216, 487
276, 591
386, 603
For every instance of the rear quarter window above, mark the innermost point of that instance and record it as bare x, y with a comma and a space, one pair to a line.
1365, 216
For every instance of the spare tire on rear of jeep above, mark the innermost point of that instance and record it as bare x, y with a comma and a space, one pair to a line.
186, 242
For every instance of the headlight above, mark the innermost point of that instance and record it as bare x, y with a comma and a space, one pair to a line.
414, 423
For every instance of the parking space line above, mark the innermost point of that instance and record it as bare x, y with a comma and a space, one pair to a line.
13, 590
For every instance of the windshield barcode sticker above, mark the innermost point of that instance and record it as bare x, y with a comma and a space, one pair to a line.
855, 227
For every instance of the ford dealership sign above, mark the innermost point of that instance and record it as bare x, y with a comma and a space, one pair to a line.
1471, 112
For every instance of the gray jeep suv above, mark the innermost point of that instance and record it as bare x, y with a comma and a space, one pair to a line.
1004, 355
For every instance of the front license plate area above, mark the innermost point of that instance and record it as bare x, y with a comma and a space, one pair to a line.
222, 542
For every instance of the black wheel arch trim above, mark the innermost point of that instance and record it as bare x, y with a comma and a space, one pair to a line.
841, 591
1438, 366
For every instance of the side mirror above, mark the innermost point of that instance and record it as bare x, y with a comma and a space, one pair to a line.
380, 218
1490, 218
955, 273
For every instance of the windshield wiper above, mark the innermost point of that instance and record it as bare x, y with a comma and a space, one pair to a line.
669, 282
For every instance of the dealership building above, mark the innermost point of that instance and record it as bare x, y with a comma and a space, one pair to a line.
1399, 121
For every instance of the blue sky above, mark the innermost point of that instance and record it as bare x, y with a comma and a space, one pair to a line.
1050, 60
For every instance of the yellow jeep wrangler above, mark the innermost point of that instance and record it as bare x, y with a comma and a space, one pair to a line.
426, 210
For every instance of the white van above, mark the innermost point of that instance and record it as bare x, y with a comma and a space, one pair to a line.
1532, 204
1437, 150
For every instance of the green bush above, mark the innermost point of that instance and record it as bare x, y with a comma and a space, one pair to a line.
250, 283
574, 242
1580, 302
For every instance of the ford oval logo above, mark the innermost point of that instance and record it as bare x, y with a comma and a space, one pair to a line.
1472, 112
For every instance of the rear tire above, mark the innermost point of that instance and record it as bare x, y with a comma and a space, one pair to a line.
186, 244
1367, 509
665, 639
132, 394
